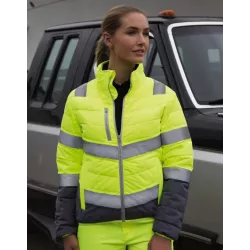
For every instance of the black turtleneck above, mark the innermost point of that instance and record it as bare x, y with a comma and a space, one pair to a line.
122, 91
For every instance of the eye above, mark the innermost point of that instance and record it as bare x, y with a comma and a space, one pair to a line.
146, 33
131, 32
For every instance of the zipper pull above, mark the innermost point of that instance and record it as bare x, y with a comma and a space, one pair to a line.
119, 138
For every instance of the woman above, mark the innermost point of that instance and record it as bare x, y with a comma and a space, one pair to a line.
124, 154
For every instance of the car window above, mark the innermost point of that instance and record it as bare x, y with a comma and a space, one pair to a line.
148, 54
200, 48
157, 71
63, 70
65, 54
47, 73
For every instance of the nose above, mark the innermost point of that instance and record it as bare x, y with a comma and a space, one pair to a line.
141, 39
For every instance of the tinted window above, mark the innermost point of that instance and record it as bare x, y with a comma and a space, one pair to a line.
157, 70
148, 54
201, 53
47, 73
62, 72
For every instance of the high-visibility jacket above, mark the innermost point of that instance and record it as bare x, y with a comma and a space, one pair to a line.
142, 173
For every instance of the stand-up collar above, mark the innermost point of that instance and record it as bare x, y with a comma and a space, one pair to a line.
105, 79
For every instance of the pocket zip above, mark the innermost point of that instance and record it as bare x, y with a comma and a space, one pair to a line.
106, 121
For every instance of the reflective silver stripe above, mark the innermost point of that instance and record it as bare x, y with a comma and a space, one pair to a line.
141, 147
100, 150
106, 121
176, 173
175, 135
128, 151
69, 180
70, 140
114, 201
81, 90
159, 88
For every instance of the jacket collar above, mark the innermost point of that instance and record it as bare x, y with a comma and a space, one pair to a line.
105, 79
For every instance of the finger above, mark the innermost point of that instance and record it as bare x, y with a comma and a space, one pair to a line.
76, 247
149, 246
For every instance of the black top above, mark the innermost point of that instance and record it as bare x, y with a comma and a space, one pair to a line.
122, 91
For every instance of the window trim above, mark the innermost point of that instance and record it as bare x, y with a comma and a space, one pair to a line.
178, 60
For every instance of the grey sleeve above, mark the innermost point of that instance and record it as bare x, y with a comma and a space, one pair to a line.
170, 212
65, 216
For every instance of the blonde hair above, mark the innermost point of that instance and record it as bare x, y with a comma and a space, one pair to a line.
110, 24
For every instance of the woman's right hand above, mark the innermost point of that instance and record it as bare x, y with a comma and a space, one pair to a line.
70, 242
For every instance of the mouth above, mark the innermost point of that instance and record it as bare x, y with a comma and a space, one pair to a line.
139, 52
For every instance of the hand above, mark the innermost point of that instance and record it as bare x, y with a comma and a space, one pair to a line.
70, 242
159, 243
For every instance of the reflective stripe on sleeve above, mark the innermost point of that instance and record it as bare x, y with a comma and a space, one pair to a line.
70, 140
177, 173
175, 135
69, 180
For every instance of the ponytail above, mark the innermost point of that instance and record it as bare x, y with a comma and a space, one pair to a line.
101, 52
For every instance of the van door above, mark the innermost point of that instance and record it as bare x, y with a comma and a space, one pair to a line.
50, 80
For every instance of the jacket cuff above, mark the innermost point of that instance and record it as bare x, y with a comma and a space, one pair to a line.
65, 232
162, 235
65, 235
166, 230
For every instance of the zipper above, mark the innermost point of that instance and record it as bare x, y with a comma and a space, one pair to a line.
119, 139
123, 217
106, 121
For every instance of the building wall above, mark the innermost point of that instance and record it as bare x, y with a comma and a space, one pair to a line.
48, 13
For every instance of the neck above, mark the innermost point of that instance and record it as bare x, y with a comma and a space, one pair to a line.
122, 70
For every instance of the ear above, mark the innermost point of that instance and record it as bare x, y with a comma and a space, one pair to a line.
107, 39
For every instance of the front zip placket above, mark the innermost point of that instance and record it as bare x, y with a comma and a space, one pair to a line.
123, 216
119, 139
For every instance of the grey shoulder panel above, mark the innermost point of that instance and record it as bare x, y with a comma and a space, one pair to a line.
159, 88
81, 90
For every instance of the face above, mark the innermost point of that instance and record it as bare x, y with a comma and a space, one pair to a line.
130, 42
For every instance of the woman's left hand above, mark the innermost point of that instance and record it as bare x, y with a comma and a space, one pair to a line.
159, 243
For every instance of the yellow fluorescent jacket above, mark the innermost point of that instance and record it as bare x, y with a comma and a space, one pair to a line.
108, 177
